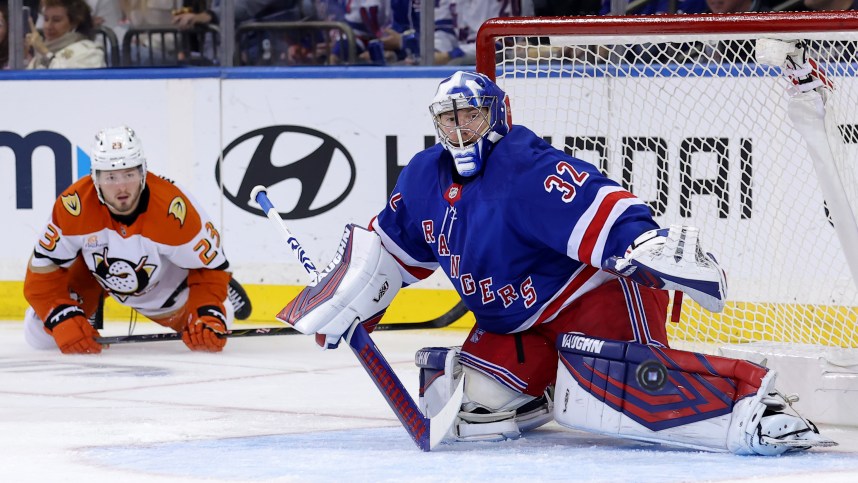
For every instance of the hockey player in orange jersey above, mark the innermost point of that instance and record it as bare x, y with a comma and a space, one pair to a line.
135, 236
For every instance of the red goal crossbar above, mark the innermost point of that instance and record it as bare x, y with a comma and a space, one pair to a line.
737, 23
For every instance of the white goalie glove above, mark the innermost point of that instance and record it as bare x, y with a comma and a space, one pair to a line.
357, 286
673, 260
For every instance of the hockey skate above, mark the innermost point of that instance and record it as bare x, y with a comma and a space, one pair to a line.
778, 432
480, 424
239, 299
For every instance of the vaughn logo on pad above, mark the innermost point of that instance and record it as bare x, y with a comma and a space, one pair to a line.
581, 343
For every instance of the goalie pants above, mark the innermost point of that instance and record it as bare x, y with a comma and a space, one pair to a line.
527, 361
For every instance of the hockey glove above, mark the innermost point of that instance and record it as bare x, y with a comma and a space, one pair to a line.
673, 260
359, 284
205, 333
72, 332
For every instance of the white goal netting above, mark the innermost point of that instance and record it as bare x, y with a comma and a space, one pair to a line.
677, 111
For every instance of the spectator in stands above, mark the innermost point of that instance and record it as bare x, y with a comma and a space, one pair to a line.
156, 40
734, 6
244, 10
470, 14
389, 23
658, 6
67, 44
4, 37
154, 49
831, 4
554, 8
396, 29
143, 13
832, 50
108, 13
377, 26
732, 51
247, 11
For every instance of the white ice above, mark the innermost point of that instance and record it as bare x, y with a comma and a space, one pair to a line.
279, 409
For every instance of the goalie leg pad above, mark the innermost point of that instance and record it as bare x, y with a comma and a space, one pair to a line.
440, 372
358, 284
675, 397
490, 411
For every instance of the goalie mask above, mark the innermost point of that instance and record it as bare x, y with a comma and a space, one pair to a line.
114, 149
470, 113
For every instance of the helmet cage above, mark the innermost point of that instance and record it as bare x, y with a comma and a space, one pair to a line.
470, 121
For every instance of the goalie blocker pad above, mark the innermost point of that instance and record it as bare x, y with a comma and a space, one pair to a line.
659, 395
358, 285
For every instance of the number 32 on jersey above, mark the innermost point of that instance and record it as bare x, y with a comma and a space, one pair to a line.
567, 189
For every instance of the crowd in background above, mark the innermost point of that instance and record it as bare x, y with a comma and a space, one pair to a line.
62, 34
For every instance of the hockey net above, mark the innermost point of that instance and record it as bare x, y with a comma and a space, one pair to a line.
676, 110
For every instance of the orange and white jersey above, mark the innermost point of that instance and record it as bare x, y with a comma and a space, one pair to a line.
143, 263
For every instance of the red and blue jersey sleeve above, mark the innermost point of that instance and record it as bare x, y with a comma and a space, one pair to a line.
399, 226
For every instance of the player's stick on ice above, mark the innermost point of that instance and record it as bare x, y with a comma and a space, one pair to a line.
257, 332
439, 322
426, 432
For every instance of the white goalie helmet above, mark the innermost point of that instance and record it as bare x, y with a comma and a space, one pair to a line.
116, 148
476, 136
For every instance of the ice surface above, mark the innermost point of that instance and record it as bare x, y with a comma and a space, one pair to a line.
280, 409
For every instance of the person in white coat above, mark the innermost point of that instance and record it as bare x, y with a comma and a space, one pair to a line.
67, 41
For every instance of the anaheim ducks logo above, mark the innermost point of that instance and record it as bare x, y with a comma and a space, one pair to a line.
122, 277
179, 209
71, 203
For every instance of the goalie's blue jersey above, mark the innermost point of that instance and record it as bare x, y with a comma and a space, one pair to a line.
520, 241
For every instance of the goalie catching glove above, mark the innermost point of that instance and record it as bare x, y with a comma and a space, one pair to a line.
673, 260
356, 287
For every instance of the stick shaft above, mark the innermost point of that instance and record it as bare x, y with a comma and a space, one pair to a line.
444, 320
372, 360
258, 332
262, 198
390, 386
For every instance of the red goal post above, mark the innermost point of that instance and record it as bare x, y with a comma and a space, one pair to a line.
676, 109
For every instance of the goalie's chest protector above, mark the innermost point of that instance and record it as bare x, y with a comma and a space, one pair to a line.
501, 237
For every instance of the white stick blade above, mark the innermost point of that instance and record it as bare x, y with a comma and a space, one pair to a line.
440, 424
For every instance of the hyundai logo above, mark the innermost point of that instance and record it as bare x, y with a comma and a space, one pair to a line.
309, 167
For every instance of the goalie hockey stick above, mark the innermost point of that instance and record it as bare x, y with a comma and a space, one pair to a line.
439, 322
426, 432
